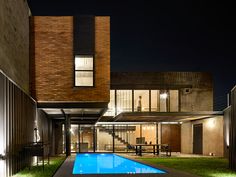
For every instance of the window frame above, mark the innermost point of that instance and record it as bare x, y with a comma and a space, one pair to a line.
93, 70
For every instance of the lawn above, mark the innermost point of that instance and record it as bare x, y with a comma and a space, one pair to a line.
37, 171
205, 167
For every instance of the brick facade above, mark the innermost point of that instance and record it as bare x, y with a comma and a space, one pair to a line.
52, 61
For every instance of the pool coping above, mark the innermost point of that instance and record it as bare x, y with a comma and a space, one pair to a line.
67, 167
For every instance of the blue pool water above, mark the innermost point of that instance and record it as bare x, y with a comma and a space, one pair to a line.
109, 164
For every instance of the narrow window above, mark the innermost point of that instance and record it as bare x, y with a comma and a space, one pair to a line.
84, 70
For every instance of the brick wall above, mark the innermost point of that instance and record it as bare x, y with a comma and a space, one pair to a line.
52, 60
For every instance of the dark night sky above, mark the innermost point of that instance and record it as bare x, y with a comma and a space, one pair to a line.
164, 36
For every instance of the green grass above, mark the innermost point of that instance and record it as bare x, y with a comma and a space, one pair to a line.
205, 167
37, 171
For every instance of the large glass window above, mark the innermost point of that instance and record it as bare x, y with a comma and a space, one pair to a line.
164, 100
86, 138
155, 100
84, 70
124, 101
149, 132
141, 100
74, 138
111, 105
104, 138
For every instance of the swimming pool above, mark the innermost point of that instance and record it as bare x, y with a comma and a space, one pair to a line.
109, 164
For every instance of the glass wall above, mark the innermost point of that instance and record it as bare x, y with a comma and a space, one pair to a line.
155, 100
164, 100
86, 138
141, 100
104, 138
74, 138
138, 100
124, 101
99, 138
149, 133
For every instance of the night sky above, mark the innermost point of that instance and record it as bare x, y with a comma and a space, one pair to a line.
164, 36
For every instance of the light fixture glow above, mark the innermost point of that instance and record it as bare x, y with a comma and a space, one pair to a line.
211, 123
163, 95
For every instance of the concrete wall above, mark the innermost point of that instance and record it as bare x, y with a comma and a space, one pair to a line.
53, 60
212, 136
197, 99
195, 88
186, 138
14, 41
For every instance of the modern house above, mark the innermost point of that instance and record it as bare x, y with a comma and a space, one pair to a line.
56, 87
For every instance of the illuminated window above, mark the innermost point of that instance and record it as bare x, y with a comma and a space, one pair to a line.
84, 70
141, 100
155, 100
164, 96
124, 101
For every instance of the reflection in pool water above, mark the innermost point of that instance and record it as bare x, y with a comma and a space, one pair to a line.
109, 164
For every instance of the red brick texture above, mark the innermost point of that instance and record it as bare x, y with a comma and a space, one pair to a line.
53, 61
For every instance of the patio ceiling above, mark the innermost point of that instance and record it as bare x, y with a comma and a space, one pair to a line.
82, 113
163, 116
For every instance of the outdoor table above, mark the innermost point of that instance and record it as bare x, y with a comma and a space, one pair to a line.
156, 148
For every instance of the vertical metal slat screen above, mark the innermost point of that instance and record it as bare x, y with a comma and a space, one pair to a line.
17, 115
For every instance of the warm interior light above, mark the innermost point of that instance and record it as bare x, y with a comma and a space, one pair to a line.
163, 95
83, 62
119, 110
211, 123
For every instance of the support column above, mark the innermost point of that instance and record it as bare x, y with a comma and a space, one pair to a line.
68, 135
94, 139
156, 124
79, 136
140, 131
159, 133
113, 138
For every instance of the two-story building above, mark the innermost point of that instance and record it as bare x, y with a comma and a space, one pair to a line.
56, 87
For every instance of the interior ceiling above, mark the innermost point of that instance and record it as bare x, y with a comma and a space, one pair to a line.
77, 115
159, 118
77, 111
92, 115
